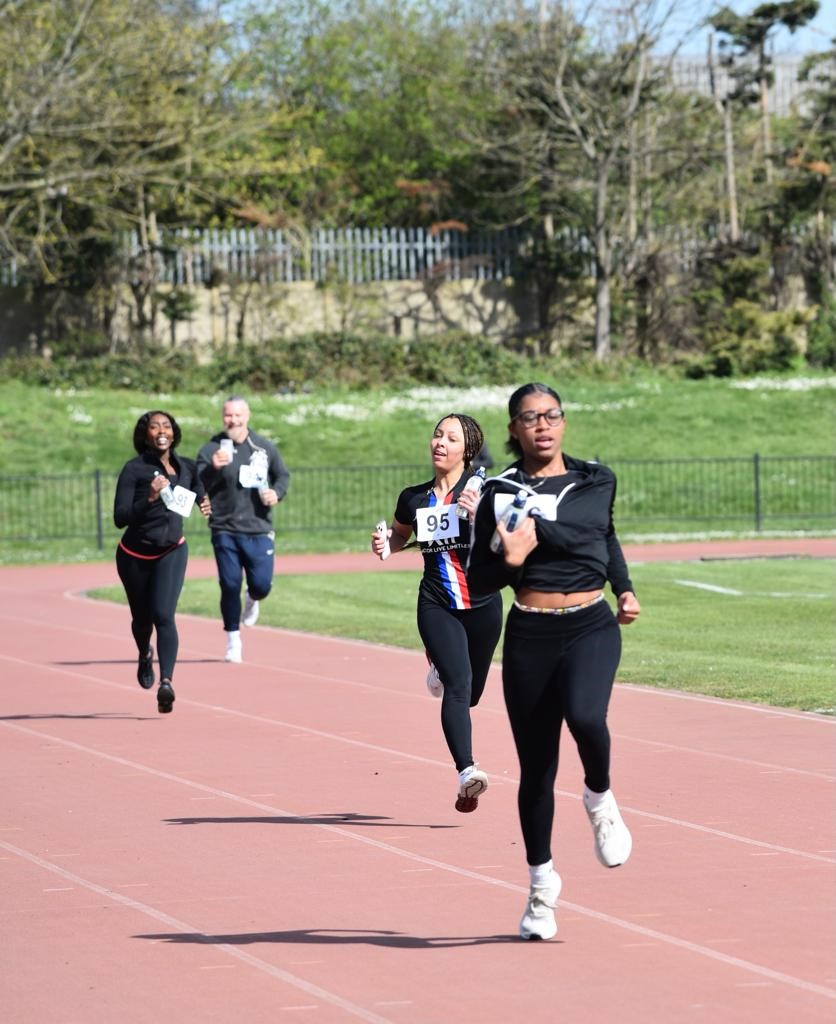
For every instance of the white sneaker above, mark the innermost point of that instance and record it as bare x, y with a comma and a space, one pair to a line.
538, 921
613, 841
472, 782
434, 683
251, 609
234, 649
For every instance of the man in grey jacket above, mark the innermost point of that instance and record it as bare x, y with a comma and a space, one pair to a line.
245, 476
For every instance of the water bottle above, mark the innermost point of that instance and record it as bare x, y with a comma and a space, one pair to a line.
383, 531
510, 519
166, 494
475, 483
259, 465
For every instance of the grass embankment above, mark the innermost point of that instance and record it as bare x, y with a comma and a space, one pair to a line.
643, 415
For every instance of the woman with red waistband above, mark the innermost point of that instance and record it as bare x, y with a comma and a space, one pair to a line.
154, 493
562, 641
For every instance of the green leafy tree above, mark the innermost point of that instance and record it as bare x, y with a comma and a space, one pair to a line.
378, 93
116, 115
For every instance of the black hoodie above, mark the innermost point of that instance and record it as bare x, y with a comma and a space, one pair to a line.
577, 549
151, 527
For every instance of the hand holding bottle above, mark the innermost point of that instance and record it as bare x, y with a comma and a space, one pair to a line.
517, 544
469, 497
511, 518
515, 536
161, 488
380, 541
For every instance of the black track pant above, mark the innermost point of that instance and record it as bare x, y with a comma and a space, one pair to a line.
153, 588
461, 644
558, 668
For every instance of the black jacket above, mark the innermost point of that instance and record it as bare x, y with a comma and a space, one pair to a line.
577, 550
151, 527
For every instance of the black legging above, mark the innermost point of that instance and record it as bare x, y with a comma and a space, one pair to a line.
153, 588
557, 668
461, 645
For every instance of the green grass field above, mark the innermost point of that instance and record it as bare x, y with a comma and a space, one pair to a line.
756, 630
645, 415
772, 642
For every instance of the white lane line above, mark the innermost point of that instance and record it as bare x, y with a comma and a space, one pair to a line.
727, 704
784, 594
710, 586
507, 779
671, 940
188, 929
301, 730
765, 766
269, 667
657, 693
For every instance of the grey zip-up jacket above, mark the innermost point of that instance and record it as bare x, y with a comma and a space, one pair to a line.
237, 509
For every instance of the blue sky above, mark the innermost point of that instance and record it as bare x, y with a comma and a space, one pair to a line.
812, 38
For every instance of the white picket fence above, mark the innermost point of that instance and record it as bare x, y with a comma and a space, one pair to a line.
194, 256
348, 255
360, 255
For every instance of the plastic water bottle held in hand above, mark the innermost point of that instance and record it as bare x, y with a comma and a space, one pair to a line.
260, 471
382, 531
475, 484
510, 519
166, 494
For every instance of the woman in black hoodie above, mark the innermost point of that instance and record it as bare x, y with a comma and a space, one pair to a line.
154, 493
562, 641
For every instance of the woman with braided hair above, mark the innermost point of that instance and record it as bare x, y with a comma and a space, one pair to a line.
460, 631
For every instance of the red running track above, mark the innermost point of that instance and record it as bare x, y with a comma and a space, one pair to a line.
284, 847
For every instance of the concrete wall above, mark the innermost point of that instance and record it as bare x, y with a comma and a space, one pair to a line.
259, 312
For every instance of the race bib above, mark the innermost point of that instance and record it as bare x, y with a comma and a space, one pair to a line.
437, 523
249, 476
182, 501
254, 474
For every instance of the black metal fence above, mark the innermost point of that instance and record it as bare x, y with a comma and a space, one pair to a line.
677, 495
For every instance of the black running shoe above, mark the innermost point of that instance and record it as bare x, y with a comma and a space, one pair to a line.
165, 697
145, 670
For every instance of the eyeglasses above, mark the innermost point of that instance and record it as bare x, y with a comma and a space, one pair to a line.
530, 418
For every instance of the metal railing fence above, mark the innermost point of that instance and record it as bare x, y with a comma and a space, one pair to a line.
681, 495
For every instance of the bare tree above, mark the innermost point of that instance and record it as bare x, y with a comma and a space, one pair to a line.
575, 89
722, 98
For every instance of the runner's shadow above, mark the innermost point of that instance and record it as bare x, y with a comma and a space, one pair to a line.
337, 818
131, 661
335, 937
118, 716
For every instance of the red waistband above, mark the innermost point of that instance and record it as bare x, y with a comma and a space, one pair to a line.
150, 558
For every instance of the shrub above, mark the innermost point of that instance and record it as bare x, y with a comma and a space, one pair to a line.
821, 337
285, 365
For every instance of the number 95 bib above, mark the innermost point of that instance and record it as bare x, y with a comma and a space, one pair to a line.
439, 523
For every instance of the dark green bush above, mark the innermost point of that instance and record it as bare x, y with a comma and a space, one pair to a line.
294, 364
821, 337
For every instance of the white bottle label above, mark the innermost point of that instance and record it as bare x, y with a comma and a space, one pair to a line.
543, 504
